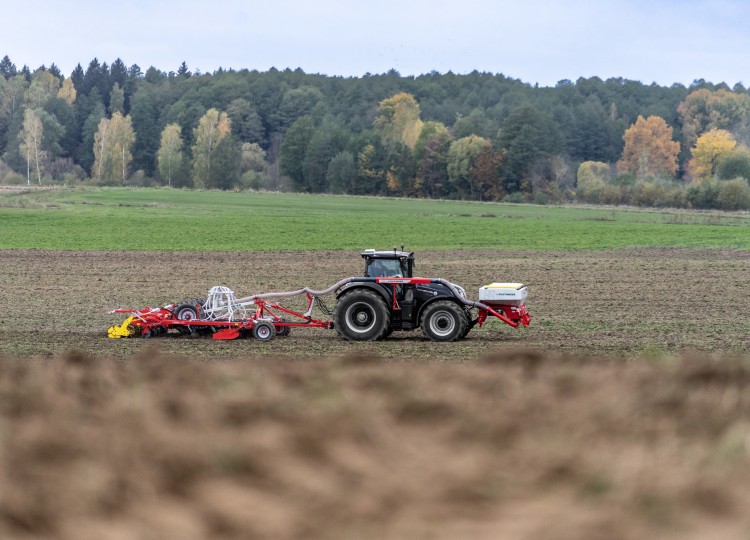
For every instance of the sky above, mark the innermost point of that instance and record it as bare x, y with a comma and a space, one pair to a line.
536, 41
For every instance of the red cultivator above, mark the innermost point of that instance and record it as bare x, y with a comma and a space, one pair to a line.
266, 321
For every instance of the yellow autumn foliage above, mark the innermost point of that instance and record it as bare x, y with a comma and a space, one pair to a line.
709, 150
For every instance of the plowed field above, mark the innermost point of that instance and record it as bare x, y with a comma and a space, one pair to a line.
583, 302
620, 413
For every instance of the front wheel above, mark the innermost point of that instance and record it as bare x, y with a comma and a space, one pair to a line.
361, 315
444, 321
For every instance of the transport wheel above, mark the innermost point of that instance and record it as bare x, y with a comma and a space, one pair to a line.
187, 311
361, 315
283, 331
264, 331
444, 321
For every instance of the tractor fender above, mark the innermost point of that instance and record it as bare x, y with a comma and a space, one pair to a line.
364, 285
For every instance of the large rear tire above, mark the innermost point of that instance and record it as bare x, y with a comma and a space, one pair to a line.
469, 324
444, 321
361, 315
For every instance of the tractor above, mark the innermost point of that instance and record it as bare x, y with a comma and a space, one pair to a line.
373, 309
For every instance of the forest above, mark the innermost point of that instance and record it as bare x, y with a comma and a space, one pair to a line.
475, 136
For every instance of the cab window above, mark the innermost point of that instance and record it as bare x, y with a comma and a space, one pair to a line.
385, 268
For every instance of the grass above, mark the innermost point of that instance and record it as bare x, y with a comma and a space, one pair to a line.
160, 219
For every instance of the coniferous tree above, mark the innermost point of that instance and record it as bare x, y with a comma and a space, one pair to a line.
55, 71
183, 71
7, 68
77, 76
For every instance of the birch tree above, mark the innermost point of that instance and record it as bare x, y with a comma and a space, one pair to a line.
169, 156
113, 142
31, 137
68, 91
123, 138
102, 154
211, 129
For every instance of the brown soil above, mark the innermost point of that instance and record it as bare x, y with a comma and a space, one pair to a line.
603, 302
514, 445
595, 422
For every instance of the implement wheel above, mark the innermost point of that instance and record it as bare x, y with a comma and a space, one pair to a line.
186, 311
361, 315
264, 331
189, 310
283, 331
444, 321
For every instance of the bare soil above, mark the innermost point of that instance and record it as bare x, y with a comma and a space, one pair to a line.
620, 413
516, 444
602, 302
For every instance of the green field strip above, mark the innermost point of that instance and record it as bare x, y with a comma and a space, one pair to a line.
181, 220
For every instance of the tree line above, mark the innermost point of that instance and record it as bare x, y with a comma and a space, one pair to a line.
477, 136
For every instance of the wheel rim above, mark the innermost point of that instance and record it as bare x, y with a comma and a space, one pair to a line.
360, 317
187, 315
442, 323
263, 332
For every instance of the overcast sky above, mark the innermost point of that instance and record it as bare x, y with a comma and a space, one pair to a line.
537, 41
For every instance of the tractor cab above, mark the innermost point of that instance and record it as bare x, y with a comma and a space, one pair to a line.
388, 263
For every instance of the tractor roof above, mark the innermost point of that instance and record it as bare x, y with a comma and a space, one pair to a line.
393, 254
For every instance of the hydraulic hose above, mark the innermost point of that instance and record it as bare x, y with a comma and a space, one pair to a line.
306, 290
298, 292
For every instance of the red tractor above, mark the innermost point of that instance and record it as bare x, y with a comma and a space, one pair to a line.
388, 298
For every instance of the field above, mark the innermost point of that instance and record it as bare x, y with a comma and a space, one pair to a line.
621, 412
610, 302
151, 219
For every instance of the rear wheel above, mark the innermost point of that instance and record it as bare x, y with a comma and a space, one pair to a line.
469, 324
361, 315
444, 321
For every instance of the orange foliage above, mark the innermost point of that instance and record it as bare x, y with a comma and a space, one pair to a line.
649, 149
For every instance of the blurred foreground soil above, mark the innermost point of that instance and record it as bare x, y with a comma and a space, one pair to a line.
515, 444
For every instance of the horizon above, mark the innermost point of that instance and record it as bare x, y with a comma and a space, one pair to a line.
540, 42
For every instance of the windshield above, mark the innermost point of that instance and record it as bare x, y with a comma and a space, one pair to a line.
385, 268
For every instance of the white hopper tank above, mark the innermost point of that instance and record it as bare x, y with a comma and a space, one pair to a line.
506, 294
